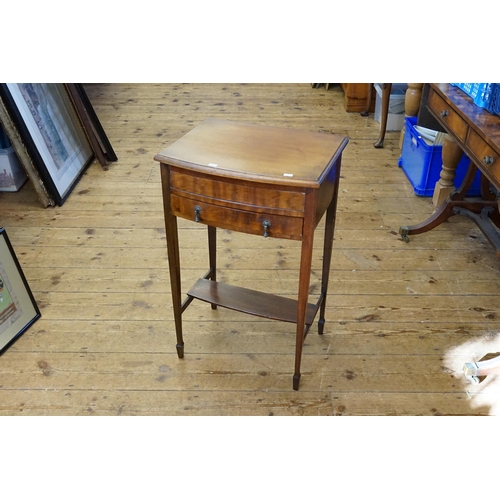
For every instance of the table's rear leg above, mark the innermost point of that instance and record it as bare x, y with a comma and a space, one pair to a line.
327, 258
212, 255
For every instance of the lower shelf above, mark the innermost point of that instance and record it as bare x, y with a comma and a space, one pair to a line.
248, 301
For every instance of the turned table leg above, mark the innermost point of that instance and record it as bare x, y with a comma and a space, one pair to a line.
413, 97
413, 100
452, 153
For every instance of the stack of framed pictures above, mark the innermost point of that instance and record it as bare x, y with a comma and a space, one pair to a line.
56, 126
18, 309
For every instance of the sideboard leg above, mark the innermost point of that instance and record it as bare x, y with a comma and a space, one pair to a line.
451, 156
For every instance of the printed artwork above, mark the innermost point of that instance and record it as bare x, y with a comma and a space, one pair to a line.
18, 309
10, 309
39, 106
55, 126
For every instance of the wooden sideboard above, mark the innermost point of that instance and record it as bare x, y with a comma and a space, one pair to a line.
476, 132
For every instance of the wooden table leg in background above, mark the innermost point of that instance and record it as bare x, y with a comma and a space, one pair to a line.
483, 211
386, 97
413, 101
413, 97
452, 154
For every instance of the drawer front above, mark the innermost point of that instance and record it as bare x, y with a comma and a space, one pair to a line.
237, 194
278, 226
447, 116
484, 155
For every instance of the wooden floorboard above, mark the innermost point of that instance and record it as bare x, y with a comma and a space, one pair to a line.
401, 318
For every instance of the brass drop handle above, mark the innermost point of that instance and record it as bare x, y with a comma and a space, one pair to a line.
488, 160
266, 225
444, 113
197, 213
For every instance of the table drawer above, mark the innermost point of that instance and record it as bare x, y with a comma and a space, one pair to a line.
278, 226
447, 116
484, 155
237, 194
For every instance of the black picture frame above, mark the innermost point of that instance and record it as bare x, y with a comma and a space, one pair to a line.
52, 133
18, 308
92, 125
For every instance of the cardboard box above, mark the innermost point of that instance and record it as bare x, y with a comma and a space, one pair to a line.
12, 174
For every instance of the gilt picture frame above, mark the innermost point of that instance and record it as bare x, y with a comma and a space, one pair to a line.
49, 126
18, 309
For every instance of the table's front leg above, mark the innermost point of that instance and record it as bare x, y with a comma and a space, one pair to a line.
304, 279
174, 261
175, 277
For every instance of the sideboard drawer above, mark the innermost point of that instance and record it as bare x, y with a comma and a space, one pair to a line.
273, 225
236, 194
447, 116
484, 154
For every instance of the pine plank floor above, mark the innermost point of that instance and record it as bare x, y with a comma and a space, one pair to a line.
401, 318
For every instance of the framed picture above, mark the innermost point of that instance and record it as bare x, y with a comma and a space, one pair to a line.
15, 139
51, 131
93, 128
18, 309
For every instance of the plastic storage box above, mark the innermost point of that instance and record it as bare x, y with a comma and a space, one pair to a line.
396, 115
478, 92
422, 163
493, 105
484, 95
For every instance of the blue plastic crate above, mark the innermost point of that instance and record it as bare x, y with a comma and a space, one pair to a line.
493, 105
422, 163
478, 92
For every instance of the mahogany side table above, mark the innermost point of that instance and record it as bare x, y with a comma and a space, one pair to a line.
267, 181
